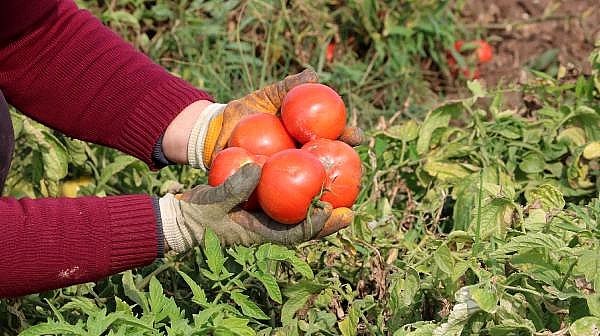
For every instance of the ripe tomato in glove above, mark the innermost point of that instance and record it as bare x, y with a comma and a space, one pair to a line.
289, 182
343, 167
229, 161
311, 111
261, 133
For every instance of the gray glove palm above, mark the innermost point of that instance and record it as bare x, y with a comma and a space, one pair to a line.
186, 218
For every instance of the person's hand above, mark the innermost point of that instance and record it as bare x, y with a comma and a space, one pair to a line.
203, 128
268, 100
185, 218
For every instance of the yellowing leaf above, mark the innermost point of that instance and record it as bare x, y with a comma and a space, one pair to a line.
445, 171
592, 150
572, 135
549, 196
406, 131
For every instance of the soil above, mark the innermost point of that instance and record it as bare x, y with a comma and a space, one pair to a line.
541, 33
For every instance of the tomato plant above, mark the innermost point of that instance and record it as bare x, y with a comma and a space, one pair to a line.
290, 180
229, 161
261, 133
311, 111
343, 167
474, 54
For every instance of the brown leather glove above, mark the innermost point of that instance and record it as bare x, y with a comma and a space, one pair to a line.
265, 100
185, 218
224, 118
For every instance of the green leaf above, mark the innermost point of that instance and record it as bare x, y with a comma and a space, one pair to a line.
199, 295
297, 296
53, 328
443, 259
587, 118
574, 136
486, 298
233, 326
120, 163
444, 171
588, 264
213, 252
407, 131
301, 267
421, 329
586, 326
156, 293
496, 218
593, 302
249, 308
133, 293
532, 163
242, 254
349, 325
476, 88
549, 196
528, 241
270, 284
121, 16
438, 118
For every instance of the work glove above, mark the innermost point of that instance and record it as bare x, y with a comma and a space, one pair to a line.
213, 128
186, 217
211, 133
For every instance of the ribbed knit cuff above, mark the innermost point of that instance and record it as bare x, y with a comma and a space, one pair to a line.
159, 228
154, 113
134, 240
158, 155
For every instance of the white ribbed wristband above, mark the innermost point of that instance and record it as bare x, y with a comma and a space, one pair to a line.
176, 234
195, 148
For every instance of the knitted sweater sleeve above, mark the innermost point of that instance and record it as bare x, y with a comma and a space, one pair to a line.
53, 243
62, 67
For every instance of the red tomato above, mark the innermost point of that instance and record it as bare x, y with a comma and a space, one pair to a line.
261, 133
330, 52
229, 161
289, 181
311, 111
458, 45
343, 167
484, 51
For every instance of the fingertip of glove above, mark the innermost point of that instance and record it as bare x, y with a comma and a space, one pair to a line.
309, 75
340, 218
306, 76
245, 179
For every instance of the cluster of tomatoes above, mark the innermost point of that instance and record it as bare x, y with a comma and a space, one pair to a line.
301, 159
474, 53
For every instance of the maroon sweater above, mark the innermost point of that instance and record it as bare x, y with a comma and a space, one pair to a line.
62, 67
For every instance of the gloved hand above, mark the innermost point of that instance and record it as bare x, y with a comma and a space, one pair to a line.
185, 218
211, 133
213, 129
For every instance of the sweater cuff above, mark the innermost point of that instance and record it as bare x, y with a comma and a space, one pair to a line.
159, 227
154, 113
134, 238
159, 160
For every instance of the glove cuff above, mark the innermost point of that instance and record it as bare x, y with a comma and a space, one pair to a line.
197, 142
214, 130
176, 234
